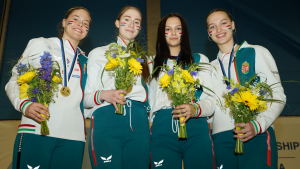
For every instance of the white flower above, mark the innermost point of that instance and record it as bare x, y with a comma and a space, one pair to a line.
201, 80
125, 55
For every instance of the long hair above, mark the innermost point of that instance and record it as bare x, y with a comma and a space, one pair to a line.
70, 11
146, 72
162, 48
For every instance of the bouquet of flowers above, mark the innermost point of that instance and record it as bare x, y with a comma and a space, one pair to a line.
39, 84
245, 103
125, 65
180, 86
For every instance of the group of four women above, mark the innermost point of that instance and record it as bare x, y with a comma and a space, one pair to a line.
125, 141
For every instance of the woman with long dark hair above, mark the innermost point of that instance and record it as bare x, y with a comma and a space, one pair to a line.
118, 141
240, 63
64, 146
167, 151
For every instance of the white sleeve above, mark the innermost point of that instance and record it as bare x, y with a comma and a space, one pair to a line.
207, 100
32, 53
266, 69
94, 70
151, 93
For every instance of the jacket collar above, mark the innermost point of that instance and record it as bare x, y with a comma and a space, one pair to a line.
121, 42
224, 56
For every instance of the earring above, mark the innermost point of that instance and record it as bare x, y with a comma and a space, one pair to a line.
209, 38
234, 31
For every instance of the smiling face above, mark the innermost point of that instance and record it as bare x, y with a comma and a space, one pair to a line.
76, 26
173, 32
129, 24
220, 28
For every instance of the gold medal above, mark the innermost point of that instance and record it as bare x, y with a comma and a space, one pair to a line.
65, 91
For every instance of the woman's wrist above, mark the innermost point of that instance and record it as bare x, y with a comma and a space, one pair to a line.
197, 109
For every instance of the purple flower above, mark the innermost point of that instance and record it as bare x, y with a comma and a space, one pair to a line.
21, 68
114, 55
35, 91
48, 78
170, 72
140, 60
228, 87
234, 90
262, 92
46, 56
193, 73
33, 99
123, 48
48, 87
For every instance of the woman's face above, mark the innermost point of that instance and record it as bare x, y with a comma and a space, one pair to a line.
173, 32
76, 26
129, 24
220, 28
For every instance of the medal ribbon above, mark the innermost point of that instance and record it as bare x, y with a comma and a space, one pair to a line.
176, 58
223, 70
64, 62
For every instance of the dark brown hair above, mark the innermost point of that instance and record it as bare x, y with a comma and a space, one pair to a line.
219, 10
70, 11
162, 48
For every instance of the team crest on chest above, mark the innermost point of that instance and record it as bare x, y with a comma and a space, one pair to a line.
245, 67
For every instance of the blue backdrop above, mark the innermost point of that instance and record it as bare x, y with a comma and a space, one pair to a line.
256, 21
37, 18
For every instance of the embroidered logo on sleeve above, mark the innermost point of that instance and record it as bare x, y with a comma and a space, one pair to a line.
106, 160
157, 164
245, 67
221, 167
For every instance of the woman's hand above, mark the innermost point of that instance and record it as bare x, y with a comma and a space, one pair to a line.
187, 110
248, 131
113, 97
34, 110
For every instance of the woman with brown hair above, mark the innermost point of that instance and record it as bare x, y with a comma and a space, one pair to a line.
240, 63
118, 141
63, 147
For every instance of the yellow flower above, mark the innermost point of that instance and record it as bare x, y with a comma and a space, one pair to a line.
122, 63
56, 79
123, 52
182, 84
132, 52
111, 64
176, 76
165, 80
174, 84
183, 90
135, 66
262, 106
247, 98
187, 76
27, 77
23, 91
177, 90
